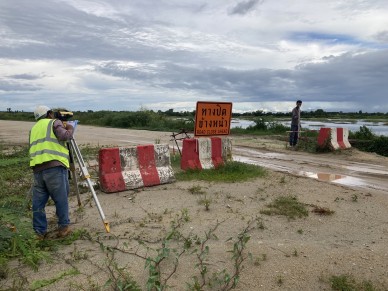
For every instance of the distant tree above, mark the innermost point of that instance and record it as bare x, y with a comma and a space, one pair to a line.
169, 111
320, 113
258, 113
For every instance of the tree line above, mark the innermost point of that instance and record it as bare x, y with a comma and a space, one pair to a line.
318, 113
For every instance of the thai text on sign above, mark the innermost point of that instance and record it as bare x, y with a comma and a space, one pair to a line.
213, 118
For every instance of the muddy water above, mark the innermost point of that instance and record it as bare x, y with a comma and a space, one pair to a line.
342, 172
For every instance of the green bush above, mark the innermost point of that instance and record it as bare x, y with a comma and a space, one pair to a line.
260, 124
369, 142
379, 146
364, 133
267, 126
277, 128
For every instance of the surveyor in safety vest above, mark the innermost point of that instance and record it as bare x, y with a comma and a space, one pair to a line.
49, 160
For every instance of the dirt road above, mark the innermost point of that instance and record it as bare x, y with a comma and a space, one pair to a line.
287, 254
349, 168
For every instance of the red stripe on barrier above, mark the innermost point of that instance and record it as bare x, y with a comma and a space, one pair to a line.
217, 152
340, 138
324, 135
147, 166
190, 155
111, 179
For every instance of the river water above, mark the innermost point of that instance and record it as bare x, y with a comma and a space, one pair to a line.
378, 128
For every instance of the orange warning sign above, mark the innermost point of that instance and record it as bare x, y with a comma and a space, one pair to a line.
213, 118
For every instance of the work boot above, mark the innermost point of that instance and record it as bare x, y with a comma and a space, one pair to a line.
39, 236
64, 231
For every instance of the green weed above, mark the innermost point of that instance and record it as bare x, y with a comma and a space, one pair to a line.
196, 189
230, 172
280, 280
17, 238
288, 206
205, 201
78, 255
119, 278
260, 259
322, 210
348, 283
44, 283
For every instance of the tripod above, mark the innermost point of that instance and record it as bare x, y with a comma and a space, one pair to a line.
73, 148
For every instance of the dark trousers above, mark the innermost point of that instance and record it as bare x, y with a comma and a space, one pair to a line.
294, 135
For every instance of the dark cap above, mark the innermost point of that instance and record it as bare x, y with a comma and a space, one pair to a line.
299, 102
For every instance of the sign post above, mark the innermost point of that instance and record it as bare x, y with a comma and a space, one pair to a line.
213, 118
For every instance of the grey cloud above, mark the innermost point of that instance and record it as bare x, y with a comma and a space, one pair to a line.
382, 36
359, 78
244, 7
25, 77
169, 58
219, 81
338, 79
63, 32
8, 86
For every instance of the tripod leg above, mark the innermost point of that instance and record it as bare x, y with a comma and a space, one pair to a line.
73, 174
75, 181
86, 176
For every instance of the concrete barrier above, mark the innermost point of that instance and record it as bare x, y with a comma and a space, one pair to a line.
125, 168
343, 138
335, 138
205, 153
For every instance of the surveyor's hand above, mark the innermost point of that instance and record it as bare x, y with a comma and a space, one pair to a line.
69, 126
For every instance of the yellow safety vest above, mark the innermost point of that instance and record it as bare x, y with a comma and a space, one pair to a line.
44, 145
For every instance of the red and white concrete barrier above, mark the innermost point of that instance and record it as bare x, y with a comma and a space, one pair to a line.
125, 168
335, 138
205, 153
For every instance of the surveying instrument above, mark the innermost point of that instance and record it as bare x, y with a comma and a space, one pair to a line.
64, 116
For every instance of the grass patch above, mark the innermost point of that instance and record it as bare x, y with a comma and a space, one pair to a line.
322, 210
13, 161
230, 172
196, 189
348, 283
44, 283
288, 206
17, 238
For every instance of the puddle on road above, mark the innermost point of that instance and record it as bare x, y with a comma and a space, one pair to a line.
259, 163
335, 178
367, 170
255, 153
327, 177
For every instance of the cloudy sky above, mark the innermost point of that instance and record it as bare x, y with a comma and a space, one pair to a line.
162, 54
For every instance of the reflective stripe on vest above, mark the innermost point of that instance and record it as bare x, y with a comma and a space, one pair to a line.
44, 146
